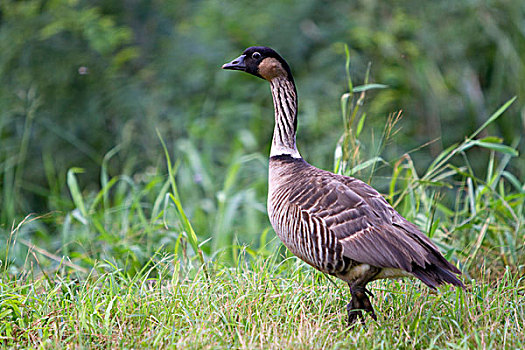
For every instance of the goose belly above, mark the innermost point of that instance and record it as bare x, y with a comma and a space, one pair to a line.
360, 270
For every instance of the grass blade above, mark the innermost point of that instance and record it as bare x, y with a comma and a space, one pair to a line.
75, 190
174, 197
493, 117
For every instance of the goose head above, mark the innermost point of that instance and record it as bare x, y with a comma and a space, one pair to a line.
261, 61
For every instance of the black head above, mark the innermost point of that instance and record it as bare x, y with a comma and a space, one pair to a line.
262, 62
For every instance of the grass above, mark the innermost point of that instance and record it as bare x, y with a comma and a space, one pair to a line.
255, 304
182, 260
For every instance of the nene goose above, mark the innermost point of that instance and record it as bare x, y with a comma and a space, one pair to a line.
337, 224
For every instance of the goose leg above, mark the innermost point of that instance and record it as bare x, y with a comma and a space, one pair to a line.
360, 301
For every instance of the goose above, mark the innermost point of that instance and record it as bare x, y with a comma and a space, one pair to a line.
337, 224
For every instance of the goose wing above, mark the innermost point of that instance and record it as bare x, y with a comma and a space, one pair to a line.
370, 230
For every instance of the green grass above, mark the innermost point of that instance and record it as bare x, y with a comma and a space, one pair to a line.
254, 304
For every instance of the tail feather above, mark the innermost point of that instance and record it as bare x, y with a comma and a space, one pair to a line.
434, 276
437, 270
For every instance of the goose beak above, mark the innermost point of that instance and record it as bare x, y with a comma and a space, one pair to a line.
236, 64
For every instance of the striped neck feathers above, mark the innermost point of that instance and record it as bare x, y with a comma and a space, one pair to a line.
285, 106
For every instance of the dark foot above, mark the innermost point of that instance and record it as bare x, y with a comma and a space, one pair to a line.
358, 304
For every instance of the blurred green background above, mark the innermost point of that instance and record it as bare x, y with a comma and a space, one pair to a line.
86, 84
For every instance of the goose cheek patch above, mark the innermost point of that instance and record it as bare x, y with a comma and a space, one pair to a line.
271, 68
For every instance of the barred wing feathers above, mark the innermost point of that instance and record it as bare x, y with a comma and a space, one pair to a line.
368, 228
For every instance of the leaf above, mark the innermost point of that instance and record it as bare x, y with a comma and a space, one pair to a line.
514, 181
493, 117
437, 163
434, 183
75, 190
367, 87
366, 164
492, 139
496, 147
347, 69
360, 125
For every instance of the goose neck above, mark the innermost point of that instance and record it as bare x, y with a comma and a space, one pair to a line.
285, 106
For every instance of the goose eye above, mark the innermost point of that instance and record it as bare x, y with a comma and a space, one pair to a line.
256, 55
